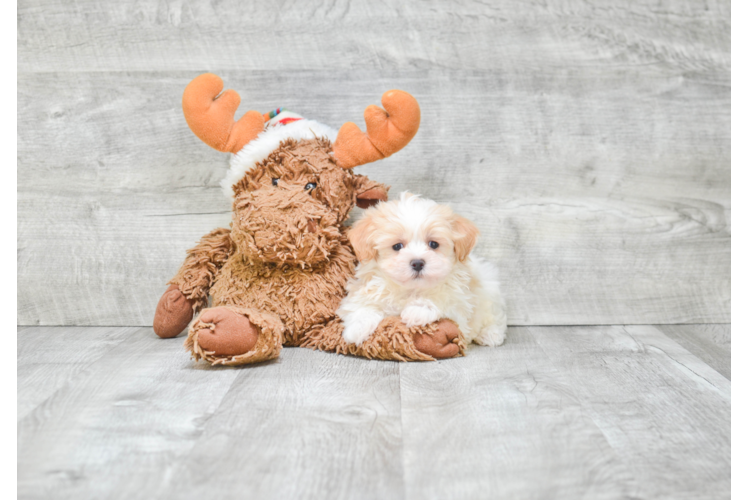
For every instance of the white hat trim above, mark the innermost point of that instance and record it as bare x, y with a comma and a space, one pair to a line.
268, 141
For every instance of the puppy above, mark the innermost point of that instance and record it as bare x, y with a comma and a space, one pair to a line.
415, 263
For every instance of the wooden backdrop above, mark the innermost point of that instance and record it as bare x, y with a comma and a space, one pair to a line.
590, 141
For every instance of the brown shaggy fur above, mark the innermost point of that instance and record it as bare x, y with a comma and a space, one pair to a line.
285, 261
203, 262
392, 340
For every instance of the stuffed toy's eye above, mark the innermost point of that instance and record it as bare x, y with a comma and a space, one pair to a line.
433, 245
275, 182
397, 247
310, 186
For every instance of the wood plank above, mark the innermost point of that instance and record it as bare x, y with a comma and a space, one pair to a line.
739, 278
543, 135
49, 357
116, 429
567, 262
89, 35
664, 411
739, 352
312, 425
739, 439
503, 422
586, 228
710, 343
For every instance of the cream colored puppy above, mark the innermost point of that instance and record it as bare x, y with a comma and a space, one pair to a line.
415, 263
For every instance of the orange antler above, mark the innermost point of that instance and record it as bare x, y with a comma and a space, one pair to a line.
211, 116
387, 132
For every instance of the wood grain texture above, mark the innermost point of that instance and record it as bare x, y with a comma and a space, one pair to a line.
49, 357
664, 411
586, 228
590, 141
503, 422
739, 278
739, 348
710, 343
557, 412
738, 437
91, 35
312, 425
117, 431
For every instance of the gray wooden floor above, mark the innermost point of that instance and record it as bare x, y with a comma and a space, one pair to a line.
558, 412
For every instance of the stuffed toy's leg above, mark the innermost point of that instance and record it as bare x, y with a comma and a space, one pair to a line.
229, 335
392, 340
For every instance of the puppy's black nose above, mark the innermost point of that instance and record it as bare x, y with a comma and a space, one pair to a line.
417, 265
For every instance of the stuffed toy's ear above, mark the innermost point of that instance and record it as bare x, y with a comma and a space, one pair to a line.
369, 192
465, 236
360, 238
371, 197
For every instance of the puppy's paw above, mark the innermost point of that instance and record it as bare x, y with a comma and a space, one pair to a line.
360, 325
492, 336
420, 314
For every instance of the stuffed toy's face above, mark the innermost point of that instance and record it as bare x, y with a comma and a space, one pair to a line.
290, 208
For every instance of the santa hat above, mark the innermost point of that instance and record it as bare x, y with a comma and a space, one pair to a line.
280, 125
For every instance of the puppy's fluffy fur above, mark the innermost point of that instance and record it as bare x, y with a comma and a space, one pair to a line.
415, 263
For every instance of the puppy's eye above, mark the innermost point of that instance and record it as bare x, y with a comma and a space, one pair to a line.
275, 182
397, 247
310, 186
433, 245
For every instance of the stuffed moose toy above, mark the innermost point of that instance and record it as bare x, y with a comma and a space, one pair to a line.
277, 276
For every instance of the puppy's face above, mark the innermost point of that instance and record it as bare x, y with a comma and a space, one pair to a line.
415, 242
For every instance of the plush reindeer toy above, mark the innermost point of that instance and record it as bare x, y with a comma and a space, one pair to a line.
277, 276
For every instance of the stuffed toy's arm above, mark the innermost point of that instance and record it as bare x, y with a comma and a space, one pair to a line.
202, 264
188, 290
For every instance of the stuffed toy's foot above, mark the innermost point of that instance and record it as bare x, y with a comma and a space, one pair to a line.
230, 335
173, 313
392, 340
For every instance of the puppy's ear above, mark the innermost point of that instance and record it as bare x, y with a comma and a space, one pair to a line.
360, 238
465, 234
